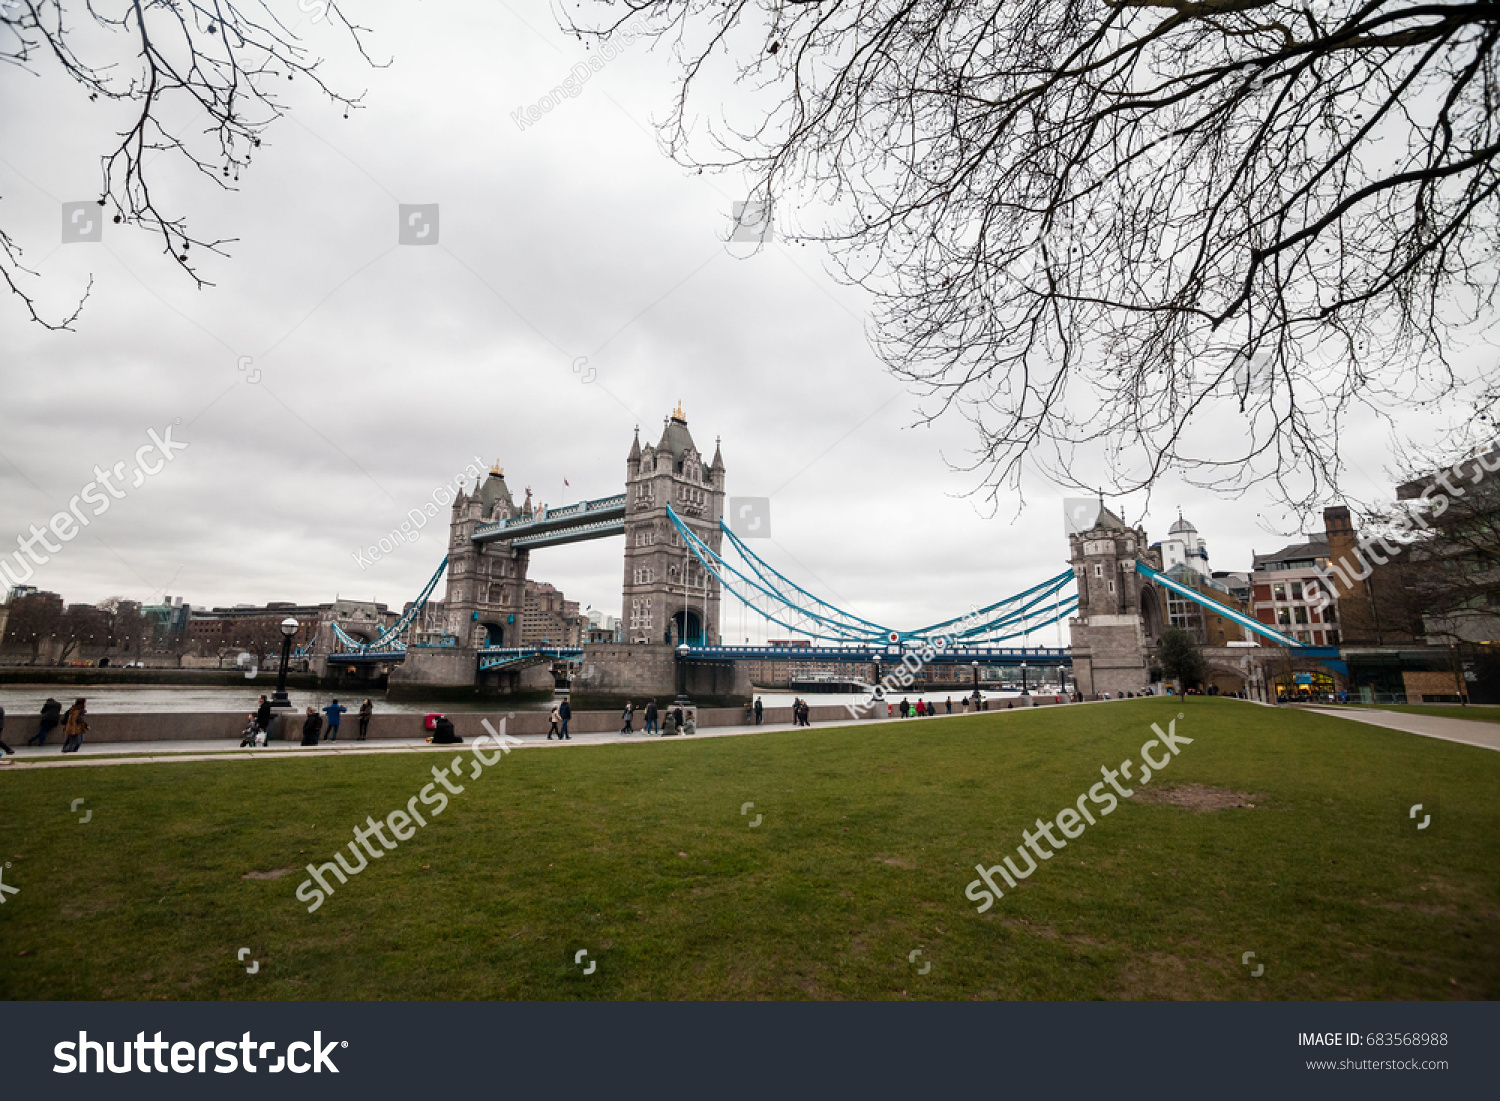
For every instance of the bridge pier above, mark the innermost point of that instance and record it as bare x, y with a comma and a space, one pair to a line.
611, 673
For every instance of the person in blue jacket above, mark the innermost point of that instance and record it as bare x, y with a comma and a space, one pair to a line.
333, 711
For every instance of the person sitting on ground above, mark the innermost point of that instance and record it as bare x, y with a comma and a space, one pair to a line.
668, 726
443, 732
690, 725
312, 726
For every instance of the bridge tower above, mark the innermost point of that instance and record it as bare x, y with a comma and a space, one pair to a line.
667, 595
1109, 636
486, 581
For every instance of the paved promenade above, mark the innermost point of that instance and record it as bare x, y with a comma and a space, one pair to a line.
1480, 733
146, 752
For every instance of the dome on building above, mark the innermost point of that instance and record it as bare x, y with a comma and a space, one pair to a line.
1181, 527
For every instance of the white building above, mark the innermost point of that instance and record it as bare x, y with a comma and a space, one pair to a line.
1184, 547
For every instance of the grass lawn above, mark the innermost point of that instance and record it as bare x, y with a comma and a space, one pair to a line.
1486, 714
640, 855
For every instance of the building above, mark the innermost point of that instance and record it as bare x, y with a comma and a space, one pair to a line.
169, 621
1287, 594
1457, 555
601, 628
668, 596
1183, 547
547, 617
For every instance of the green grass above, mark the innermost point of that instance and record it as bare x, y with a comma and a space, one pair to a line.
639, 854
1486, 714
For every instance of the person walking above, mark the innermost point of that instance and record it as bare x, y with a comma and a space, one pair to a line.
333, 711
760, 710
905, 708
75, 726
263, 716
311, 726
366, 709
627, 719
949, 704
3, 746
554, 725
565, 712
51, 716
651, 713
806, 714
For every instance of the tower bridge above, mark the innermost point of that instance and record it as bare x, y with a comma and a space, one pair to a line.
680, 559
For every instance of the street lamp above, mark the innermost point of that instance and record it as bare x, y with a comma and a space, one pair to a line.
974, 665
288, 629
1024, 690
682, 696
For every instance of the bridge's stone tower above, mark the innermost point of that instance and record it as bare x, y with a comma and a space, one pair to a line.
486, 581
667, 596
1118, 617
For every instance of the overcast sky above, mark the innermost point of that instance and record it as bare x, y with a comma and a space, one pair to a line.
383, 369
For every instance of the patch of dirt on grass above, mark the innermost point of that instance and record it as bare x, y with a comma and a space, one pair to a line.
1201, 798
897, 862
274, 874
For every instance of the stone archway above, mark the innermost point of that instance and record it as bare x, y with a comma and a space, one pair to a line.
1152, 618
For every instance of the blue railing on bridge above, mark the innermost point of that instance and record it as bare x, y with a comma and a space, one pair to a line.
1040, 656
358, 657
576, 511
494, 657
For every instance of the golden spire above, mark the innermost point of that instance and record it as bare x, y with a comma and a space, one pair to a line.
496, 469
678, 414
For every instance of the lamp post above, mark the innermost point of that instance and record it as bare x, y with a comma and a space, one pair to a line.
682, 696
974, 666
1024, 690
288, 629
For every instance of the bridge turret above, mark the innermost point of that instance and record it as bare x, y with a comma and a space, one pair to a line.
1109, 642
665, 588
633, 460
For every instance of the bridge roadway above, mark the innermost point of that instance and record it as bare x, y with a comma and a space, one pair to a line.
502, 657
555, 527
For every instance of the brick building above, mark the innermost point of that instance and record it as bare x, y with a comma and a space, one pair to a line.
1285, 593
